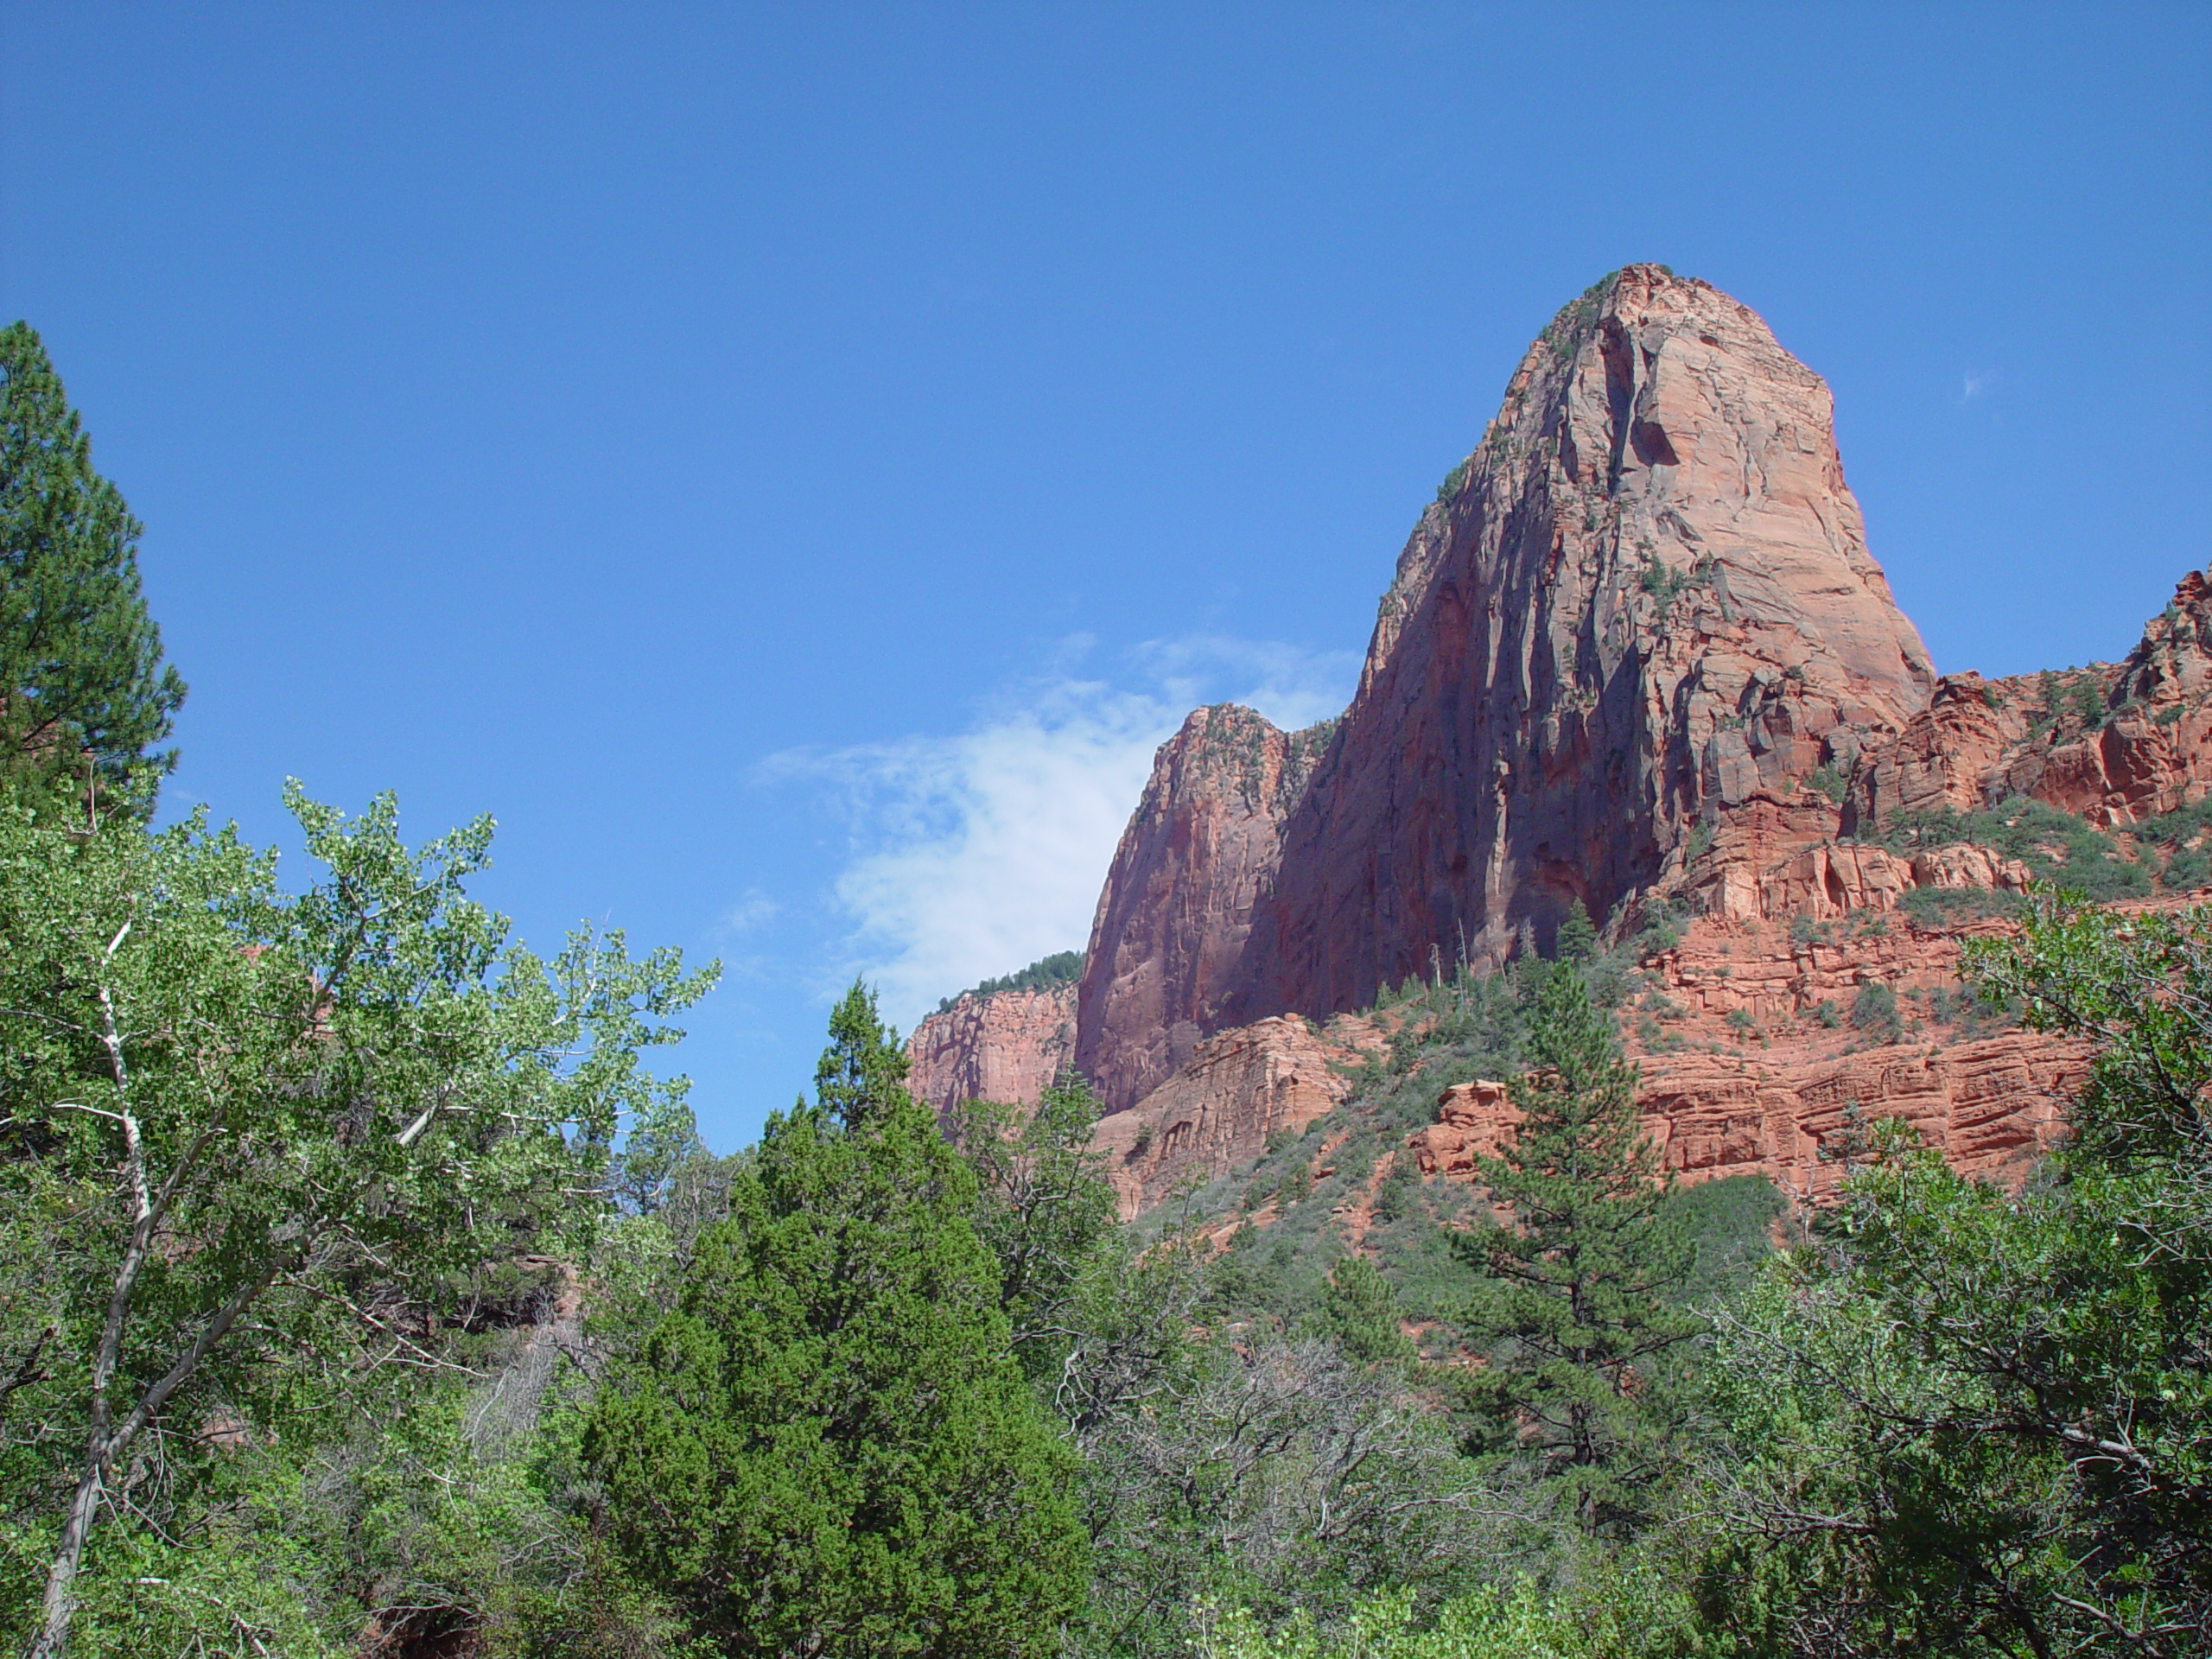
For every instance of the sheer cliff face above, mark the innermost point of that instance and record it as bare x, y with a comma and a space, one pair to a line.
1644, 601
1168, 939
1006, 1046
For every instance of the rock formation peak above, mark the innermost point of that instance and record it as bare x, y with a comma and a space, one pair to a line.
1644, 599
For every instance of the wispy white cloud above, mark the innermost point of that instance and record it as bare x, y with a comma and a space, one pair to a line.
975, 853
1973, 385
751, 911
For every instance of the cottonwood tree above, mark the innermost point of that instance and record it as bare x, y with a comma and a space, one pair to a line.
82, 683
248, 1138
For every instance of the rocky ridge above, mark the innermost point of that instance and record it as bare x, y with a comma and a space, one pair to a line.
1636, 656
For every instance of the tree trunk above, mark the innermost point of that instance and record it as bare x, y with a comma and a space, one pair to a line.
60, 1601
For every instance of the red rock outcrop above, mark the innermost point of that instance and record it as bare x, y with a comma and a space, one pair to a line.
1751, 1066
1643, 603
1219, 1108
1989, 1105
1008, 1046
2114, 744
1473, 1120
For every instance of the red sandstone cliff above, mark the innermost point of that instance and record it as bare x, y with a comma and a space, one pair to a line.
1168, 941
1644, 601
1006, 1046
1636, 651
2122, 744
1749, 1069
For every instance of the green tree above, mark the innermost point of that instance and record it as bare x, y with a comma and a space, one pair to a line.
1043, 1209
827, 1445
248, 1138
1359, 1314
1573, 1298
863, 1071
1578, 935
81, 676
1975, 1421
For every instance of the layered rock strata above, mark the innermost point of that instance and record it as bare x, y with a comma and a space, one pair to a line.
1219, 1108
1008, 1046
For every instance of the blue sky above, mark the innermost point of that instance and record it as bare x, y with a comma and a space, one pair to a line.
791, 463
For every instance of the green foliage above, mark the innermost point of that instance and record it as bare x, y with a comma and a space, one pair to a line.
1940, 908
1831, 781
2166, 839
1045, 974
828, 1444
862, 1073
247, 1137
1971, 1422
1578, 935
1454, 481
81, 675
2059, 848
1874, 1011
1043, 1210
1359, 1314
1729, 1225
1613, 1607
1571, 1298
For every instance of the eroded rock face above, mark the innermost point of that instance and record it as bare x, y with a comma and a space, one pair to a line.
1008, 1046
1756, 1070
1644, 602
1989, 1105
2148, 750
1218, 1111
1167, 943
1648, 602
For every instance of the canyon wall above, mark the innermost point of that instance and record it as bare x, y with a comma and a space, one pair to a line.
1643, 601
1007, 1045
1636, 656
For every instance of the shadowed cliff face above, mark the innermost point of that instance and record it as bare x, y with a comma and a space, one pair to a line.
1644, 600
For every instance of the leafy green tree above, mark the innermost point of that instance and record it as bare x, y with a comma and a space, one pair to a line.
248, 1138
1975, 1421
1578, 935
862, 1073
1574, 1301
81, 676
827, 1445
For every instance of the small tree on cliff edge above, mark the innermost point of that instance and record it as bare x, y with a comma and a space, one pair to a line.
80, 660
828, 1447
1573, 1300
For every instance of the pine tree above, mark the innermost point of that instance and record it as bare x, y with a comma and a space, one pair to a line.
1578, 935
828, 1447
1573, 1297
1359, 1314
81, 676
